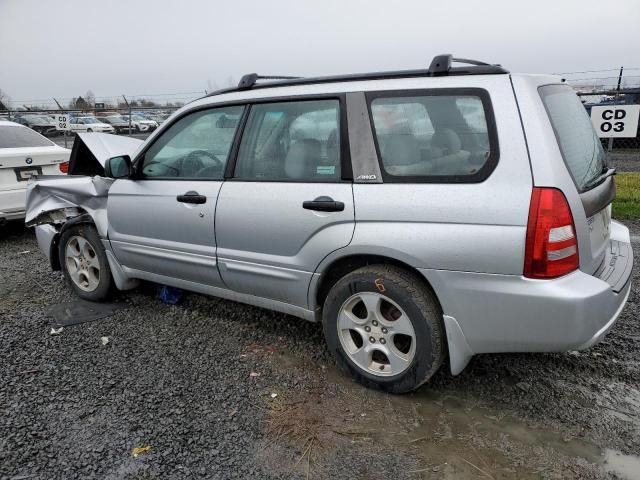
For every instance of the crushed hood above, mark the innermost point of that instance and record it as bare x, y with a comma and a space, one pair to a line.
91, 150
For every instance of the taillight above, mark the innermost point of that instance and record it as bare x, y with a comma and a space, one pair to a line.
551, 248
64, 167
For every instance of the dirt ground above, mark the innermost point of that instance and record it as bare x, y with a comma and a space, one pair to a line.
221, 390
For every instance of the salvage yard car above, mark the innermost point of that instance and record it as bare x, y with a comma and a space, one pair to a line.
23, 154
119, 123
422, 216
89, 124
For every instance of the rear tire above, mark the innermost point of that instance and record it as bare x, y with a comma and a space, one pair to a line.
384, 326
84, 263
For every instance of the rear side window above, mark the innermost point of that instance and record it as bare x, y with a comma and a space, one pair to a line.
578, 141
435, 136
19, 137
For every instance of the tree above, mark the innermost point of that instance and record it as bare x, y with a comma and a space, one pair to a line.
5, 100
90, 98
81, 103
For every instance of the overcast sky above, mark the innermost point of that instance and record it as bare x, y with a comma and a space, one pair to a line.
63, 48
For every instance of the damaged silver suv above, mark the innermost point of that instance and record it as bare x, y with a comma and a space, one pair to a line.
421, 216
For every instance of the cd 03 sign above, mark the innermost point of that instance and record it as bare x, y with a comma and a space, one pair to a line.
617, 121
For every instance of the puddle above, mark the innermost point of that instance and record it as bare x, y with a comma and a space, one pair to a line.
446, 435
625, 466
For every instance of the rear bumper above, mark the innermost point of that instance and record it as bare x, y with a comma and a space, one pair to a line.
12, 204
507, 313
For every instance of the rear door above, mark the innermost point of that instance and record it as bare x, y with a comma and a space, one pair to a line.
289, 202
161, 223
584, 157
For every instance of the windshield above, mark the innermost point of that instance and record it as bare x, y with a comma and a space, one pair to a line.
578, 141
18, 137
90, 120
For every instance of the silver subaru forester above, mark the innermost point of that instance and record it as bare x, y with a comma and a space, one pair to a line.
420, 215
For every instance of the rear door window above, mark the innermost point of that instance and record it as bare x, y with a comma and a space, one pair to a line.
19, 137
297, 141
434, 136
578, 141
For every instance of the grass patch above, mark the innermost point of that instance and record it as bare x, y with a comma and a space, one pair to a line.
627, 202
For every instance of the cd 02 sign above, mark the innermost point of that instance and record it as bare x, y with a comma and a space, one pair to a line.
62, 122
617, 121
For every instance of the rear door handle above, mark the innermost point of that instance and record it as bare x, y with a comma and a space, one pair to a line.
192, 197
323, 204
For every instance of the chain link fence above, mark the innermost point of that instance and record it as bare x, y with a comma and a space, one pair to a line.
623, 153
127, 121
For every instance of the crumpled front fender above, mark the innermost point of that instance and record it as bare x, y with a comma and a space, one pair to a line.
55, 199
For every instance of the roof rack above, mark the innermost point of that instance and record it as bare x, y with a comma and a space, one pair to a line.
249, 80
440, 66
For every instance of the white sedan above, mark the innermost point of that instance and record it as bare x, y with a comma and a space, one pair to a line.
23, 154
89, 124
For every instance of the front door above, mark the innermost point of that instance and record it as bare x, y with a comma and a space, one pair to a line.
287, 205
161, 223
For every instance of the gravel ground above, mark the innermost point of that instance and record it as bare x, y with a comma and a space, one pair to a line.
222, 390
624, 161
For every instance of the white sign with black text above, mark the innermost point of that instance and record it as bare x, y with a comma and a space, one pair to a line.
62, 121
618, 121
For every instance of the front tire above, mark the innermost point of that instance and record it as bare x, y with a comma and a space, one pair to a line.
84, 263
384, 326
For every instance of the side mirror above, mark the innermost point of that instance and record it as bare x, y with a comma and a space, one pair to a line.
118, 167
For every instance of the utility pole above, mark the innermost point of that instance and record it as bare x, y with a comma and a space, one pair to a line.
58, 103
129, 107
620, 78
610, 145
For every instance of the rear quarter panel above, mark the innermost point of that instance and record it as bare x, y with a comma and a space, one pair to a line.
476, 227
547, 165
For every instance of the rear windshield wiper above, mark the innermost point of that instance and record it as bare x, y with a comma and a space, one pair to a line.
608, 172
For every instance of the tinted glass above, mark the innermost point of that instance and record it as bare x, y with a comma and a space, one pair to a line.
18, 137
291, 141
578, 141
196, 146
431, 135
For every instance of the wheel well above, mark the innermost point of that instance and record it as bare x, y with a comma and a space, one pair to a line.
345, 265
54, 253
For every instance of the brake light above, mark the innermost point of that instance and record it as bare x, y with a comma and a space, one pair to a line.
64, 167
551, 246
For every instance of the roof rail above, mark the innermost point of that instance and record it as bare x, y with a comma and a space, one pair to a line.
249, 80
441, 65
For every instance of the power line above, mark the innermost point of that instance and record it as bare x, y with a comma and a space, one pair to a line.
598, 71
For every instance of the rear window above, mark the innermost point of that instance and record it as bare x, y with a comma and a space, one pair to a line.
434, 136
18, 137
578, 141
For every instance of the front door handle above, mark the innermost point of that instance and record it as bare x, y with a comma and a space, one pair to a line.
323, 204
192, 197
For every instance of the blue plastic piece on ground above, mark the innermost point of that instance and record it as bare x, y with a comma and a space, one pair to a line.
170, 295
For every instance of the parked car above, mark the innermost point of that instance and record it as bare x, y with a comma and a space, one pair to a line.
141, 123
420, 216
119, 123
42, 124
89, 124
24, 153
